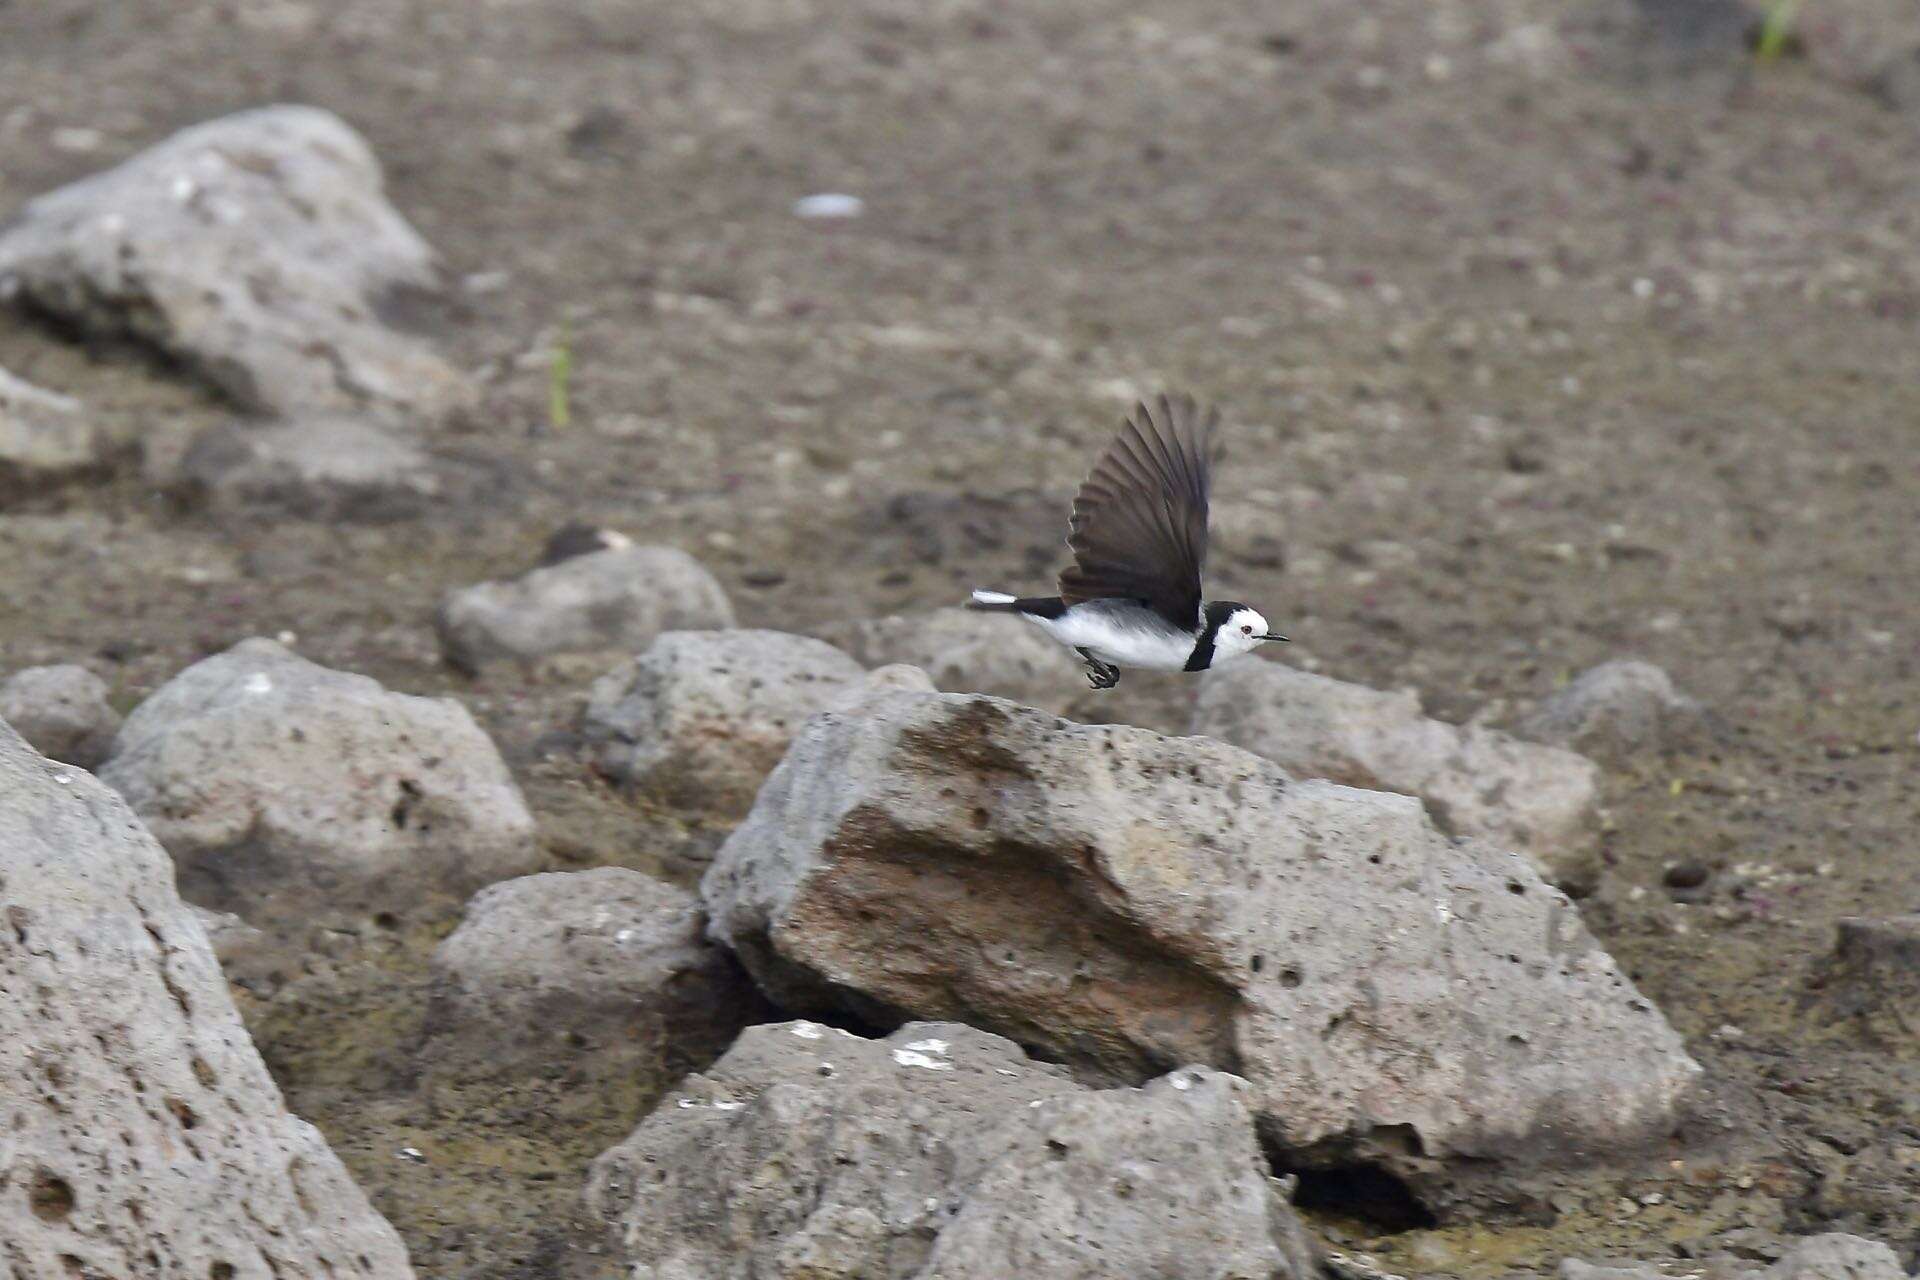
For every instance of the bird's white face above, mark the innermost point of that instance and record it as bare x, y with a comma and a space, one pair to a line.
1244, 631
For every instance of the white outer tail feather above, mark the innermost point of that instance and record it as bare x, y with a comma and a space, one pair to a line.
992, 597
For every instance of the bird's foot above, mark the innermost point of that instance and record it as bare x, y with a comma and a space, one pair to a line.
1101, 676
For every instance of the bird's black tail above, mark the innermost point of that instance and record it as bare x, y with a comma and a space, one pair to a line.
1001, 602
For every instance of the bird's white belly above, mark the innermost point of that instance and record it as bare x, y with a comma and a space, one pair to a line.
1112, 641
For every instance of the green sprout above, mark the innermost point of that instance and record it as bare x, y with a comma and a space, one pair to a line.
559, 370
1776, 30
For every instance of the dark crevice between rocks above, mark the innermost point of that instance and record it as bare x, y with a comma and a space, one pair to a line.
127, 329
1366, 1193
839, 1019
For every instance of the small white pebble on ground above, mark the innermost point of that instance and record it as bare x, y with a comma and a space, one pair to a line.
826, 205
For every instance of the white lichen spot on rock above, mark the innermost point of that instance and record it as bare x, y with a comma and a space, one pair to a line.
908, 1058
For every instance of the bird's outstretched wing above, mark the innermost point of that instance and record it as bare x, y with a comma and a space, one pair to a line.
1139, 528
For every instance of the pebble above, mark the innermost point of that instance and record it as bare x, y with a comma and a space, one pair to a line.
829, 206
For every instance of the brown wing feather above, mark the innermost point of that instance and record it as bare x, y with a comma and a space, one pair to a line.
1139, 527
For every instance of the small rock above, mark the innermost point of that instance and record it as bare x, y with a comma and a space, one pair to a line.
1686, 875
806, 1151
607, 965
701, 718
577, 539
1824, 1257
1872, 977
144, 1136
1126, 902
829, 205
62, 711
1616, 708
1836, 1257
302, 798
258, 249
325, 468
1475, 781
618, 599
46, 440
965, 651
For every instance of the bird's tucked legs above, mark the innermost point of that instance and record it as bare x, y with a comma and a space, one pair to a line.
1099, 674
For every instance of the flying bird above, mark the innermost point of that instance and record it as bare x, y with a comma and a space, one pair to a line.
1131, 597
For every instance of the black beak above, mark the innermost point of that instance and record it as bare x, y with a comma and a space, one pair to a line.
1269, 636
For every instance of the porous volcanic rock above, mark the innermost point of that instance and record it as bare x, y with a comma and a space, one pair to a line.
46, 440
62, 710
1128, 902
702, 717
259, 250
613, 600
1615, 709
942, 1153
1824, 1257
144, 1136
605, 965
1475, 781
965, 651
301, 797
317, 467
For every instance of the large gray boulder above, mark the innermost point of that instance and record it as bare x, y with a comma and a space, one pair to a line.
258, 249
1615, 709
143, 1135
1824, 1257
942, 1153
1128, 902
62, 711
1475, 781
297, 796
608, 969
964, 651
46, 440
618, 599
318, 467
702, 717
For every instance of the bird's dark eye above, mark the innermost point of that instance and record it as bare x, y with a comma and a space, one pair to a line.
1246, 631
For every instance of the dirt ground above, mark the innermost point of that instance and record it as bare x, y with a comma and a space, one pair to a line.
1547, 333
